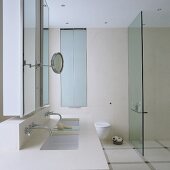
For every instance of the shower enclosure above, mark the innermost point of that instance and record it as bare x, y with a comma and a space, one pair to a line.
136, 96
149, 81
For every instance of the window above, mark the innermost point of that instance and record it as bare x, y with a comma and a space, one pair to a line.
74, 75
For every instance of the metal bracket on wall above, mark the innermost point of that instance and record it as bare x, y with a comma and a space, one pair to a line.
30, 65
138, 111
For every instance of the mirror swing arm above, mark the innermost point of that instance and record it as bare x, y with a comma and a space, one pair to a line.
57, 63
31, 65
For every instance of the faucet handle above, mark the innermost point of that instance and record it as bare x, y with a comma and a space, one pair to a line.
33, 124
48, 113
28, 131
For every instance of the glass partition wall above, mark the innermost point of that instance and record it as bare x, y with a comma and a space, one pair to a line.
136, 104
149, 84
156, 35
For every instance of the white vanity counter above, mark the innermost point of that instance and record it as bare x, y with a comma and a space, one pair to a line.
89, 155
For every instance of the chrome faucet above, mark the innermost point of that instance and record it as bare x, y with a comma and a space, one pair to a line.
52, 113
28, 130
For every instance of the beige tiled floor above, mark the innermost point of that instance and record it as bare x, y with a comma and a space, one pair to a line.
155, 155
161, 166
124, 157
110, 145
166, 143
152, 144
141, 166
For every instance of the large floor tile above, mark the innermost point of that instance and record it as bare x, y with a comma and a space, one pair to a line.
161, 166
123, 155
157, 155
138, 166
165, 142
152, 144
110, 145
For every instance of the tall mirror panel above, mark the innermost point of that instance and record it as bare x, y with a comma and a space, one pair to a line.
29, 55
45, 57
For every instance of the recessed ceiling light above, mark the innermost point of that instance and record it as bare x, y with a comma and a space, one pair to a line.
63, 5
159, 9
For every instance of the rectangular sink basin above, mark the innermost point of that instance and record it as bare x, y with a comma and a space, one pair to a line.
72, 131
72, 125
70, 121
61, 142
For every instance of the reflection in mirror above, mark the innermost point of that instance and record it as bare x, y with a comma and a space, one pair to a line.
45, 57
29, 55
57, 63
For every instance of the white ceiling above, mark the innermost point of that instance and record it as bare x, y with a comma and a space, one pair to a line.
94, 13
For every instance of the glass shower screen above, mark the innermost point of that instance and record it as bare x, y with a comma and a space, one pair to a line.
136, 111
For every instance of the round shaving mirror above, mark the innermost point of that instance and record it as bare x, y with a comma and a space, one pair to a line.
57, 63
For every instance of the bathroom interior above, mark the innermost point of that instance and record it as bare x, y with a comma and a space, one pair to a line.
122, 79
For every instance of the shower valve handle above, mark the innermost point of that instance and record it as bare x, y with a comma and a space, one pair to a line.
138, 111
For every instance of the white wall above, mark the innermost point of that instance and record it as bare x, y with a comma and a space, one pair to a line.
107, 78
157, 82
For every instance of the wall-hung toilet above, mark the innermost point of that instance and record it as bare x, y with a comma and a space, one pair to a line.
103, 129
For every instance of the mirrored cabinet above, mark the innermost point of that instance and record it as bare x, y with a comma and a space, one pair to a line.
44, 96
29, 55
22, 55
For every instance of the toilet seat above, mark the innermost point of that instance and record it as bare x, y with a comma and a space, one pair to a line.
102, 124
